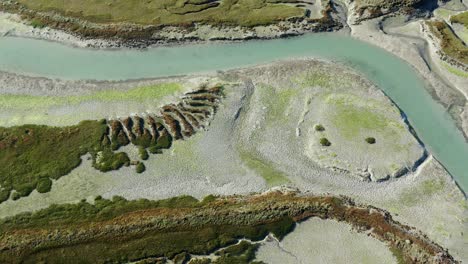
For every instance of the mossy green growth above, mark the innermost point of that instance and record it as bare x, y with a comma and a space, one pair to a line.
319, 128
4, 195
44, 185
276, 102
172, 13
143, 153
200, 239
264, 169
450, 43
315, 79
370, 140
453, 70
351, 116
241, 253
398, 254
426, 189
107, 160
32, 155
325, 142
102, 209
140, 167
461, 18
139, 94
37, 24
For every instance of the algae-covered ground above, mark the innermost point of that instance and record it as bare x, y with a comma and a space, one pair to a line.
70, 109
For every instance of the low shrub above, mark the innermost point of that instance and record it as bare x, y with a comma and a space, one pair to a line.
319, 128
140, 167
143, 153
370, 140
325, 142
44, 185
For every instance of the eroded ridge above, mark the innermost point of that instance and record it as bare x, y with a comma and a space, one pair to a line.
173, 122
118, 230
33, 155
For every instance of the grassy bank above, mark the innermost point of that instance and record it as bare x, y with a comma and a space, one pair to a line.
32, 155
450, 43
461, 18
117, 230
152, 92
168, 12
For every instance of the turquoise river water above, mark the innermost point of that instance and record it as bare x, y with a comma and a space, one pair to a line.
395, 77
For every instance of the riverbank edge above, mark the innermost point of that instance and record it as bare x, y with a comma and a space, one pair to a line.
81, 33
409, 243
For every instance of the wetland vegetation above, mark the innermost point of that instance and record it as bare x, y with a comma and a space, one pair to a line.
119, 230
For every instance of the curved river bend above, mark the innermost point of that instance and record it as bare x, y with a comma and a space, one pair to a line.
396, 78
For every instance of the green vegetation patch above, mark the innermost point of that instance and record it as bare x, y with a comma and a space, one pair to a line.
170, 12
315, 79
200, 239
351, 115
325, 142
423, 191
461, 18
450, 43
101, 210
140, 167
455, 71
32, 155
152, 92
276, 102
264, 169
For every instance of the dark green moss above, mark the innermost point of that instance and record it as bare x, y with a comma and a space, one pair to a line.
325, 142
140, 167
35, 23
319, 128
143, 140
102, 209
143, 153
4, 195
181, 258
30, 154
370, 140
164, 142
154, 150
198, 240
44, 185
242, 253
107, 160
15, 196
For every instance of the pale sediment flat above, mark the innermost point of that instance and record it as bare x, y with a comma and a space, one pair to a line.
325, 241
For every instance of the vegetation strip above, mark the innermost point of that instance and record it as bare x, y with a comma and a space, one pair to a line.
117, 230
33, 155
450, 44
138, 23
